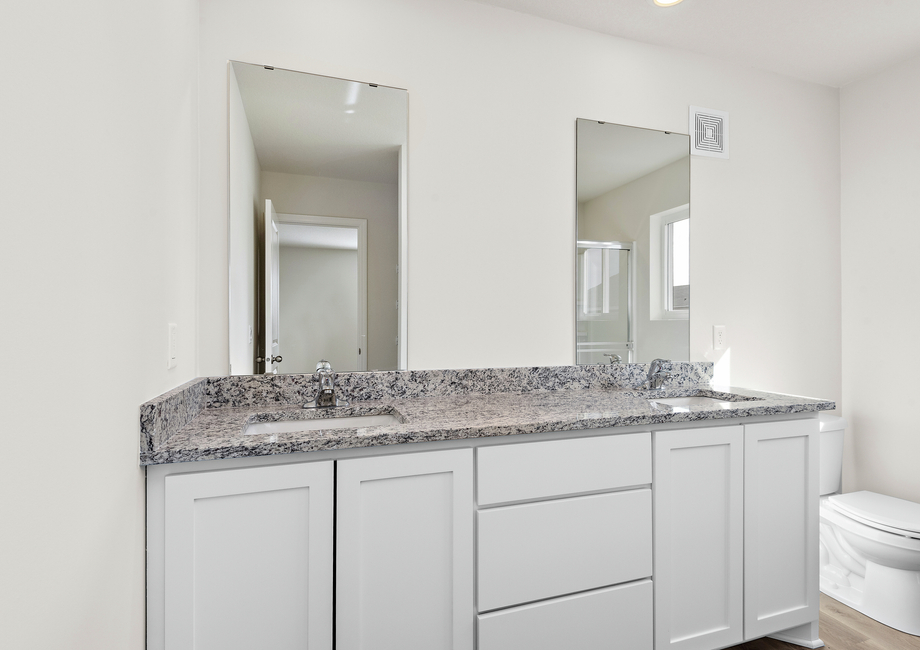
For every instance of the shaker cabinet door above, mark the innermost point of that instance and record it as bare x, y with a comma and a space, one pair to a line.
404, 554
780, 526
248, 558
698, 538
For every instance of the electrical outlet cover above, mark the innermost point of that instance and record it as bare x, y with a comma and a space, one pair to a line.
719, 337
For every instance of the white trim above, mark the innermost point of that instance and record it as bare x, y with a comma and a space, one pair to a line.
402, 345
803, 635
361, 225
658, 255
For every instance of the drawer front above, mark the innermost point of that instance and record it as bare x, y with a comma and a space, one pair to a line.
542, 550
616, 617
536, 470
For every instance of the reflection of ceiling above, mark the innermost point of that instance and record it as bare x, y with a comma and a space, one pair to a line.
610, 155
308, 236
322, 126
831, 42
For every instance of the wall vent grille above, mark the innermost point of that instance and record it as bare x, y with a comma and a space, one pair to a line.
708, 132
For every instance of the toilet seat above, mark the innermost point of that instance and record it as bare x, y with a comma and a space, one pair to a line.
879, 511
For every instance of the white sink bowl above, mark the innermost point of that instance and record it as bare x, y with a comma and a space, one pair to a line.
686, 403
348, 422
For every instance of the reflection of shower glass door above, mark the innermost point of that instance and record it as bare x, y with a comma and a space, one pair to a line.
604, 302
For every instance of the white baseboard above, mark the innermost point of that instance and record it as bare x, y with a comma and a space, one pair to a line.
803, 635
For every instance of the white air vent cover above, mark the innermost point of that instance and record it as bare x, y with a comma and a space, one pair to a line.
708, 132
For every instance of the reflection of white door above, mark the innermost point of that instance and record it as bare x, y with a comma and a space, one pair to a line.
271, 346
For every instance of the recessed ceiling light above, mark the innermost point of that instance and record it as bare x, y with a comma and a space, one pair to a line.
665, 3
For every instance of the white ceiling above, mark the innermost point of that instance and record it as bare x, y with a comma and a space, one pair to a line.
610, 155
321, 126
831, 42
309, 236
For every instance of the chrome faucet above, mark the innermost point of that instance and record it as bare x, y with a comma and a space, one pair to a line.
325, 398
656, 375
614, 358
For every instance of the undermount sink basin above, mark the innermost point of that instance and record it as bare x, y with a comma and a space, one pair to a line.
685, 403
348, 422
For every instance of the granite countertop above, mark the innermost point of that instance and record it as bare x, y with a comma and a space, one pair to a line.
218, 431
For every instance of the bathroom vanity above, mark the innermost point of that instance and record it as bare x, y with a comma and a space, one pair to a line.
580, 517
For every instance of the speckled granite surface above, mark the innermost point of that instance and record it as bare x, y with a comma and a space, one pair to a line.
165, 415
265, 390
448, 405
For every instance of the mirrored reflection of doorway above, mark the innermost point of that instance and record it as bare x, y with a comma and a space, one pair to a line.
604, 326
323, 292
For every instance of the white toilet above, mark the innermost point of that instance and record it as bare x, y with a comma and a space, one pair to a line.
870, 543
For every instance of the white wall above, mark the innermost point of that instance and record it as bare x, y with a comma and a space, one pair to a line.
247, 209
378, 203
880, 223
493, 98
98, 174
623, 214
312, 277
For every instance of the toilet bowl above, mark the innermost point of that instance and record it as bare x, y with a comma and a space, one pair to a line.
867, 566
870, 546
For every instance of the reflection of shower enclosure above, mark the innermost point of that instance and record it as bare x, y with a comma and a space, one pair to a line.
604, 302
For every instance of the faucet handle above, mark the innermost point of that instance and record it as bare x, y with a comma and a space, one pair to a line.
323, 365
655, 366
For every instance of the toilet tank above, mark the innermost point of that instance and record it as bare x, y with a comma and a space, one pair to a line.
831, 452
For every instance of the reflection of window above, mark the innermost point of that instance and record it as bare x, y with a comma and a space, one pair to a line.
677, 237
669, 264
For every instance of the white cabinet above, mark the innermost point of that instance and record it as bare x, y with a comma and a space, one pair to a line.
559, 568
248, 558
539, 470
615, 617
780, 526
404, 552
537, 544
539, 550
698, 538
736, 521
249, 555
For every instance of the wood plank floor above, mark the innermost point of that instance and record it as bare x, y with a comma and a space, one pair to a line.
843, 628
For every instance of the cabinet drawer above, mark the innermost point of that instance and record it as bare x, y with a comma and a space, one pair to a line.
535, 470
541, 550
616, 617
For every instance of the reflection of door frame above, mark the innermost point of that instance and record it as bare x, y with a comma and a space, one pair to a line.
271, 302
361, 225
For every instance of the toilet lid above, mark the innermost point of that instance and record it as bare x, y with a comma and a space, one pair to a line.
880, 511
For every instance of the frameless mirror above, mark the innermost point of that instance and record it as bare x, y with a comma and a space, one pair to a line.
632, 299
317, 222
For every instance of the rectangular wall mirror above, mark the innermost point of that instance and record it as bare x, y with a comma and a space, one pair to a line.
632, 298
317, 222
